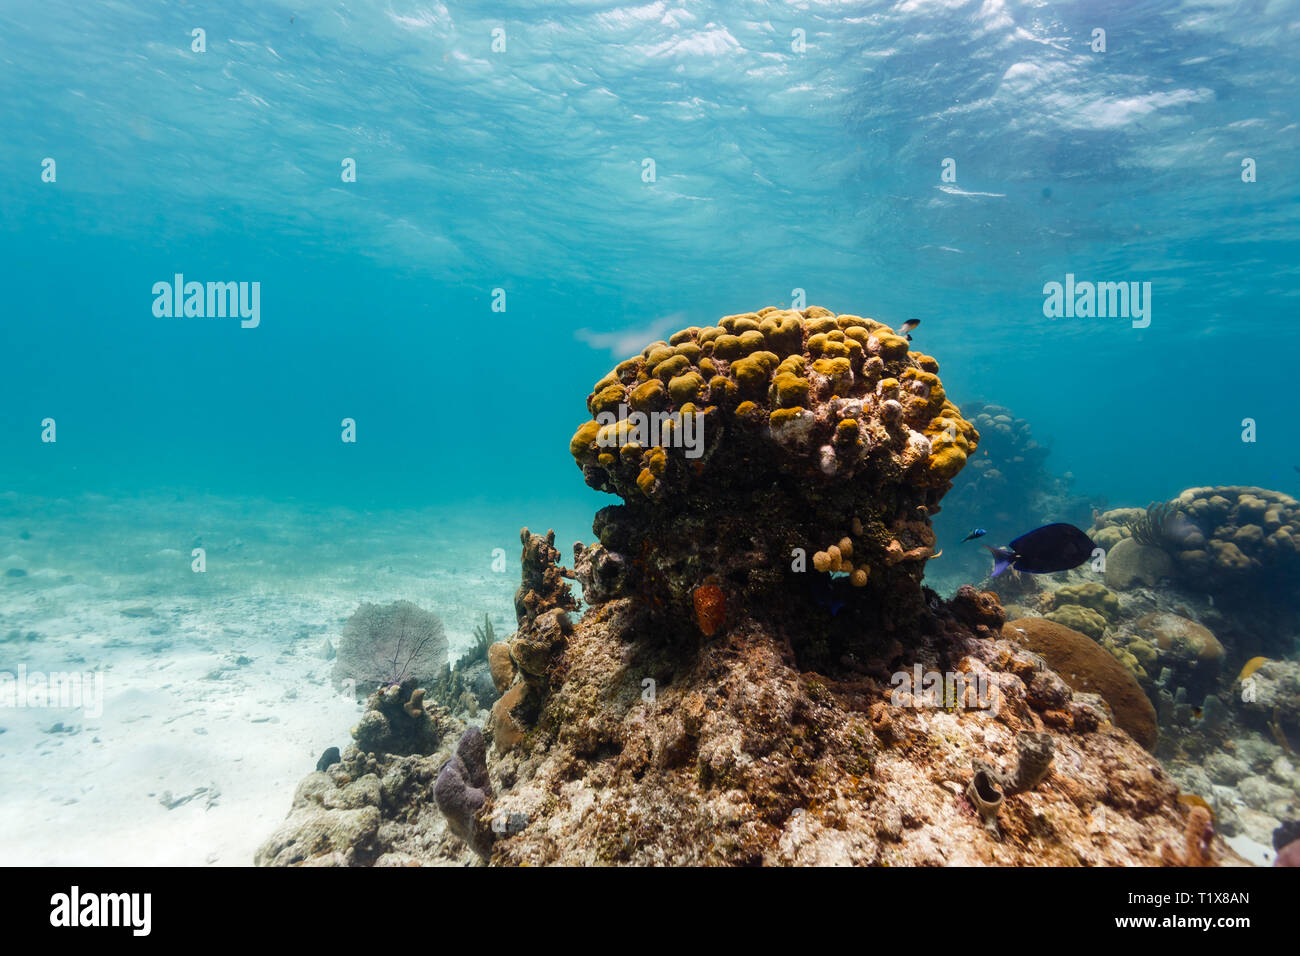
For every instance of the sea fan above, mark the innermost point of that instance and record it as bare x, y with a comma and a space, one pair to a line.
389, 643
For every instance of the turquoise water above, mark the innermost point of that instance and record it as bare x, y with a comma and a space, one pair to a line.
780, 169
522, 170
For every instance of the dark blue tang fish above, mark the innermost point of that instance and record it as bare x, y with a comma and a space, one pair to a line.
1053, 547
829, 592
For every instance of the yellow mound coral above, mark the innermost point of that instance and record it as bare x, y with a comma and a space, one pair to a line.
952, 440
1090, 595
831, 391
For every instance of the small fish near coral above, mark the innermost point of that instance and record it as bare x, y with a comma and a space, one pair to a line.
976, 533
328, 759
906, 328
1053, 547
829, 591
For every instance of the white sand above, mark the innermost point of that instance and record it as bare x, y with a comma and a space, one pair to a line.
108, 588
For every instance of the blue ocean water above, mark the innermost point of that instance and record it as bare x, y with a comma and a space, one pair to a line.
522, 170
541, 189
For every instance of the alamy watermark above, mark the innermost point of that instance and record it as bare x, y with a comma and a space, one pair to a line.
211, 300
942, 691
125, 910
665, 429
1102, 300
57, 689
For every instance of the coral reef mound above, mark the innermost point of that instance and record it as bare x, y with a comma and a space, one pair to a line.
759, 675
1230, 540
731, 754
773, 442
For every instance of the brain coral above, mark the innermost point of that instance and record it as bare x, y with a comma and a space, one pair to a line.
774, 442
1089, 668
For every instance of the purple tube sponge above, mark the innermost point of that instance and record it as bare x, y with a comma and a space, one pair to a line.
463, 788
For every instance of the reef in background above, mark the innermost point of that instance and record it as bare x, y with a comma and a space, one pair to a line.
1199, 601
1005, 488
751, 681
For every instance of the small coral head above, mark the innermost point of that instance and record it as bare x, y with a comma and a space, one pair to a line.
752, 448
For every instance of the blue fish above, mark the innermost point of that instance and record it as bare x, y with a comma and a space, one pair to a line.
977, 533
825, 592
1053, 547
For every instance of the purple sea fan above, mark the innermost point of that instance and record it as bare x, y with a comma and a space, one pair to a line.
385, 644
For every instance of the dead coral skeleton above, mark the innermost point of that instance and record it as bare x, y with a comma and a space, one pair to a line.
895, 554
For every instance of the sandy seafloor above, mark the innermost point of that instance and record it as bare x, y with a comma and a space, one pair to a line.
217, 697
216, 685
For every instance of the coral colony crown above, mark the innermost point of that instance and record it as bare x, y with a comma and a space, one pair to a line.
774, 437
836, 388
